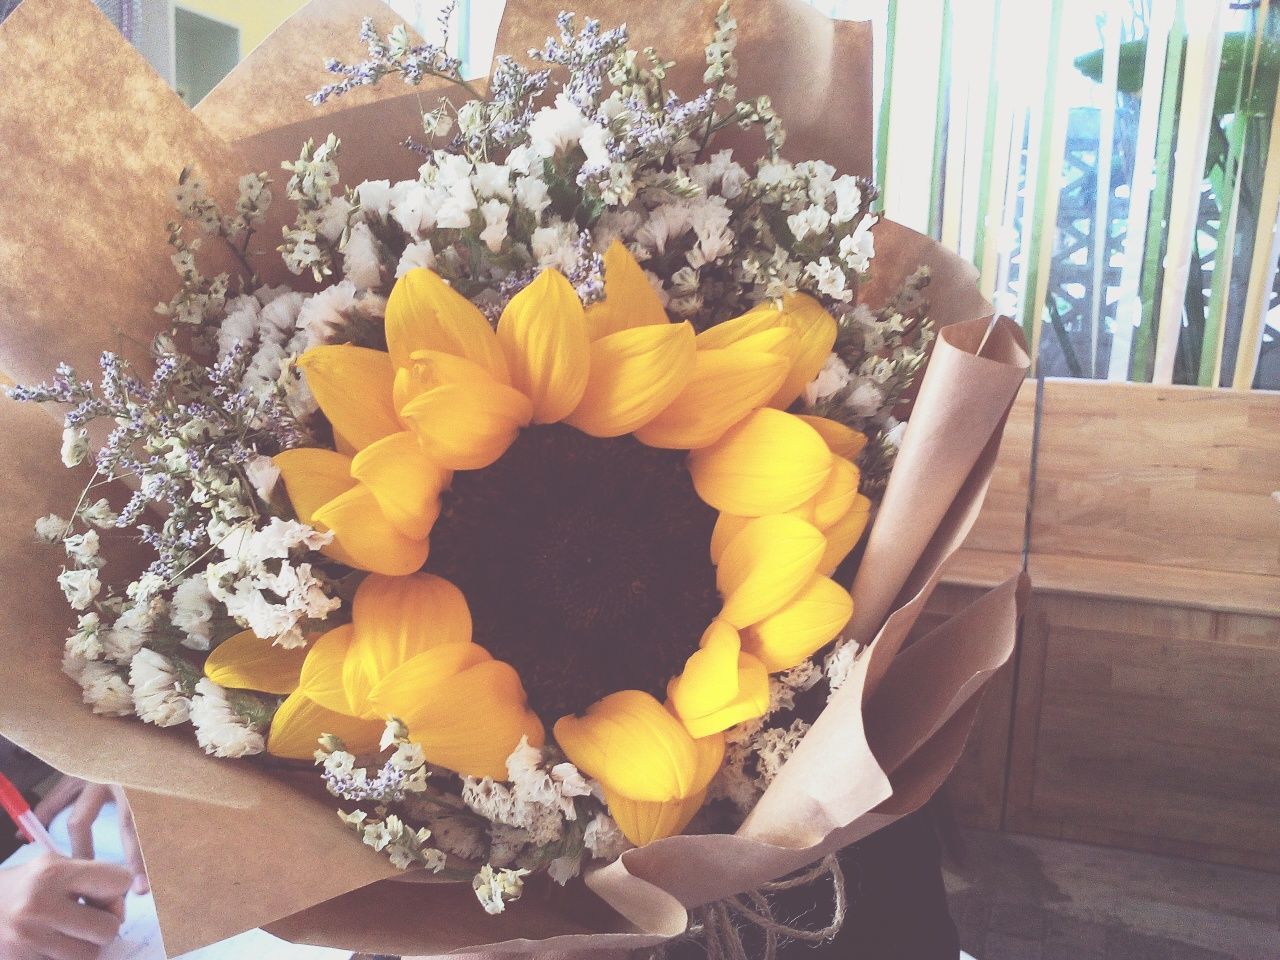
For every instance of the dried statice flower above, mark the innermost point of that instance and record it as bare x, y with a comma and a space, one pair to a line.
395, 54
311, 244
496, 888
222, 728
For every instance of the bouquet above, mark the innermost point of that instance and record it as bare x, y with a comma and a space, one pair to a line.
509, 514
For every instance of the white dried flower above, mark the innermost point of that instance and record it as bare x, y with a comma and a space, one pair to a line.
604, 839
219, 729
263, 476
83, 549
362, 258
531, 193
192, 613
859, 247
80, 587
84, 643
495, 214
375, 197
75, 446
126, 636
156, 696
839, 662
557, 128
460, 836
52, 528
417, 254
104, 689
322, 316
865, 399
831, 379
812, 220
496, 888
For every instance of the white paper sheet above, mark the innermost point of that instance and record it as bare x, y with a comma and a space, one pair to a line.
139, 937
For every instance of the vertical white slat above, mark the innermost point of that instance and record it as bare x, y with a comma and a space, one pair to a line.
975, 33
1102, 193
1262, 268
1006, 94
1129, 307
1037, 47
957, 130
913, 112
1200, 82
1050, 166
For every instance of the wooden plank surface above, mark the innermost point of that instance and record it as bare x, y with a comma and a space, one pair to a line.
1149, 726
1177, 477
1144, 711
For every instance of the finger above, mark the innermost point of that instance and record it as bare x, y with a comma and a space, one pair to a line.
88, 922
60, 797
100, 882
55, 945
129, 843
80, 824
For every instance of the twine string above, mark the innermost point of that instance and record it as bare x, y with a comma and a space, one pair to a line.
718, 927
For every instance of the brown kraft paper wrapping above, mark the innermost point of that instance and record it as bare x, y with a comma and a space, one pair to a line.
87, 187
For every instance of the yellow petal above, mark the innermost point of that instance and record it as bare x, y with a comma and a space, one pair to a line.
844, 534
771, 462
725, 386
404, 690
843, 440
837, 495
425, 313
720, 686
543, 333
404, 481
635, 374
433, 368
643, 821
629, 298
727, 527
312, 477
472, 722
300, 722
249, 663
397, 618
633, 746
710, 676
354, 387
467, 426
765, 566
815, 331
803, 627
366, 538
321, 679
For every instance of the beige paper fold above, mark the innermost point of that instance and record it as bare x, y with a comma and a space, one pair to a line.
266, 849
91, 144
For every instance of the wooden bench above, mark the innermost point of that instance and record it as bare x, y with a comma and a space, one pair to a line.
1143, 707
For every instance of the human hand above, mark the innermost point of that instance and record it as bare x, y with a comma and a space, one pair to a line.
60, 909
86, 801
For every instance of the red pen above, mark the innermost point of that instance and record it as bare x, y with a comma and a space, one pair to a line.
20, 812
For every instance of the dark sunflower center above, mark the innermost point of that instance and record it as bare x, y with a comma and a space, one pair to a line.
585, 563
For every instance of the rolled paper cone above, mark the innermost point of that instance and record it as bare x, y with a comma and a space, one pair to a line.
86, 187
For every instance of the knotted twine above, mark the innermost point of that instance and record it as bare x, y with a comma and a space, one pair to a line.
718, 927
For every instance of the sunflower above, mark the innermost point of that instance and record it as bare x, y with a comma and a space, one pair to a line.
591, 520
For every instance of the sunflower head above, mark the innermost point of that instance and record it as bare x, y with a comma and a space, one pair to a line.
591, 520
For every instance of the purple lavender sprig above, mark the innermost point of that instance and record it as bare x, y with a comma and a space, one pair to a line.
395, 54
